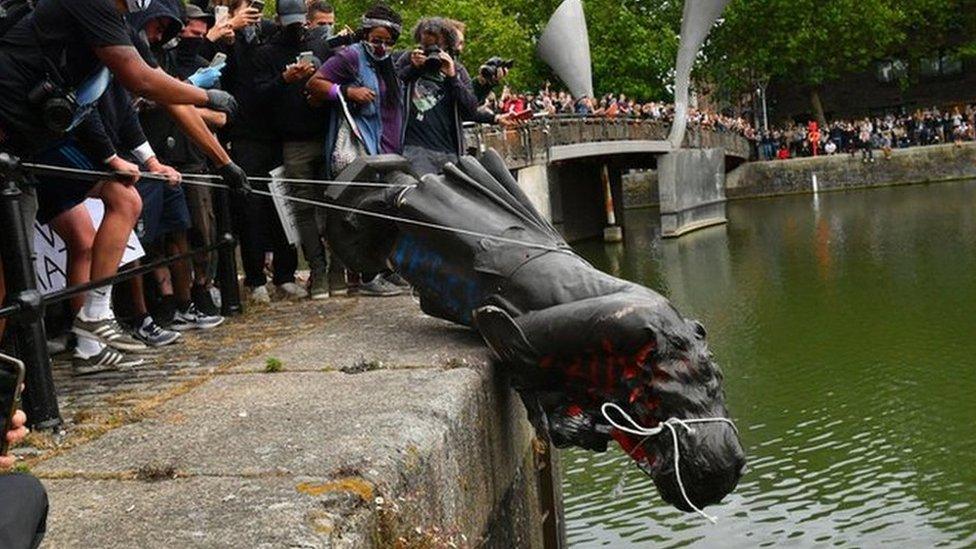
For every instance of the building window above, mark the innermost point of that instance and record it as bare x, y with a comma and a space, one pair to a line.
891, 70
945, 64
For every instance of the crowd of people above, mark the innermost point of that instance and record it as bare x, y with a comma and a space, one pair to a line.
189, 92
168, 100
932, 126
549, 102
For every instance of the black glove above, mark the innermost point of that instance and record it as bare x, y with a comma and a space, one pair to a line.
235, 178
219, 100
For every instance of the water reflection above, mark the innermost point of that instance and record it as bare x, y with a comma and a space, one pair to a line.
846, 333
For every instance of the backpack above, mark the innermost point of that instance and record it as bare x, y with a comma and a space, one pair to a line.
11, 13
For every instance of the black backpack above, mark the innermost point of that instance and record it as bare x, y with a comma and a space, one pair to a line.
11, 12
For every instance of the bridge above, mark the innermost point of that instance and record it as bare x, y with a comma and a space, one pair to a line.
572, 168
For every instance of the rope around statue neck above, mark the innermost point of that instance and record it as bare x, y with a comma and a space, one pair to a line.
635, 428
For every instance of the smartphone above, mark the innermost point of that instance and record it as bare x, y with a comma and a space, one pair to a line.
258, 5
218, 59
11, 380
221, 15
305, 57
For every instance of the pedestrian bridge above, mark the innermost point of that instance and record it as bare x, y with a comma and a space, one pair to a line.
547, 140
566, 165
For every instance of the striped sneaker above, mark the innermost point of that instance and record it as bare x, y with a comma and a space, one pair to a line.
108, 360
108, 332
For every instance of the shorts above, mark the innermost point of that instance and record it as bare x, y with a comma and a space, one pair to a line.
57, 194
164, 211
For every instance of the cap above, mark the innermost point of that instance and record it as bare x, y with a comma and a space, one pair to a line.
291, 12
193, 11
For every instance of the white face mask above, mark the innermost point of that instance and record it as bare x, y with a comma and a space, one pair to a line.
138, 5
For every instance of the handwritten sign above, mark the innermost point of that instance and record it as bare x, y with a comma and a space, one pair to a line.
51, 253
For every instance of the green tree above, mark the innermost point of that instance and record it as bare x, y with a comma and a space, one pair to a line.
633, 42
811, 43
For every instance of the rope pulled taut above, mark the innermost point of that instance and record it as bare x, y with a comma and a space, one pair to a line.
198, 180
636, 429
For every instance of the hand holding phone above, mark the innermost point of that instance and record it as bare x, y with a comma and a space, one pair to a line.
221, 15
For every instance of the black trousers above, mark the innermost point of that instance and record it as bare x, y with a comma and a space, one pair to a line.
257, 220
23, 512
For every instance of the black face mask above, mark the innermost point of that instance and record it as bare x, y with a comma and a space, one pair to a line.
319, 34
189, 48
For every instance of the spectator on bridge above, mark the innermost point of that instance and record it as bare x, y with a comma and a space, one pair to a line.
23, 501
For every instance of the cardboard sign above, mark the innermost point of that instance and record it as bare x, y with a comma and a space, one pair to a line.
285, 207
51, 254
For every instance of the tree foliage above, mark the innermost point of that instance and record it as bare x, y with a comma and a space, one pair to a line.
810, 43
633, 42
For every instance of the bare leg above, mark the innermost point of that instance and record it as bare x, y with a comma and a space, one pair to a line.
76, 229
122, 208
176, 244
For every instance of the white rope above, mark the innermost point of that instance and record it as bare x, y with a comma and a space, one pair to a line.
192, 180
394, 218
635, 428
322, 182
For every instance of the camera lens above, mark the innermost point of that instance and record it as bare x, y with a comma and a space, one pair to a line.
58, 114
434, 62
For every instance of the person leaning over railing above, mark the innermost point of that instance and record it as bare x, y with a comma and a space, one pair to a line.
55, 64
23, 501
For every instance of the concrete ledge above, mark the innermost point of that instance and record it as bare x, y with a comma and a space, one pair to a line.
311, 457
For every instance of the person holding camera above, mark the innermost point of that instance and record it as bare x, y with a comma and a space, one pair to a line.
23, 501
490, 74
439, 98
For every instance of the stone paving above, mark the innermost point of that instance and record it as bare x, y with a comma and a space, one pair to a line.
91, 405
379, 427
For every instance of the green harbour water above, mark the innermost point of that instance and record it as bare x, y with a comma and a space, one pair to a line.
846, 328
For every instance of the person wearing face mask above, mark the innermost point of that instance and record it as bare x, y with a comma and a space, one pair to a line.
74, 44
284, 68
363, 78
187, 59
256, 145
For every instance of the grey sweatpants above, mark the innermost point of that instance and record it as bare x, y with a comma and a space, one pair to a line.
303, 160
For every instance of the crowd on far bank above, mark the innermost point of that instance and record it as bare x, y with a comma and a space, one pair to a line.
932, 126
548, 102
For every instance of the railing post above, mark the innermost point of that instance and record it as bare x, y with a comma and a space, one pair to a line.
230, 290
40, 397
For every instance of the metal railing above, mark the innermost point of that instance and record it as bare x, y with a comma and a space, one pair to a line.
24, 306
530, 143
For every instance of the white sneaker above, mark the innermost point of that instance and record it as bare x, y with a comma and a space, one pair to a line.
291, 291
260, 295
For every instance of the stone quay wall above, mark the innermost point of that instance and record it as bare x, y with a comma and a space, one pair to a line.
917, 165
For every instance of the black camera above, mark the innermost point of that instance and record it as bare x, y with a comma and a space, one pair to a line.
489, 71
58, 106
434, 63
